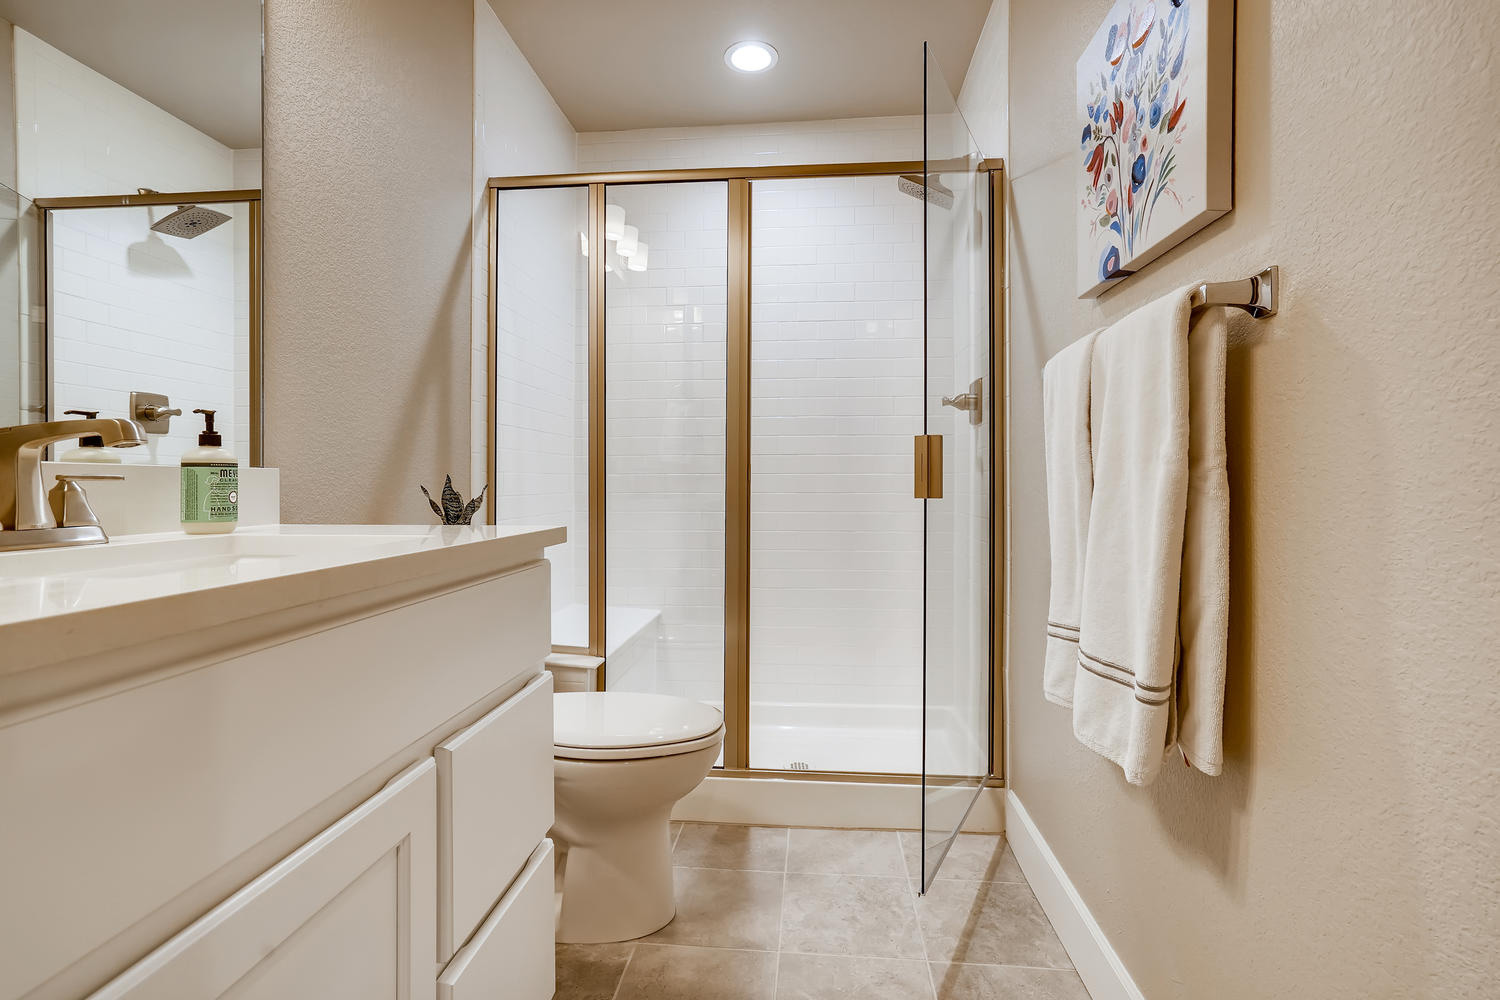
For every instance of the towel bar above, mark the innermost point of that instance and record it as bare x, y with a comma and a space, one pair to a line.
1255, 294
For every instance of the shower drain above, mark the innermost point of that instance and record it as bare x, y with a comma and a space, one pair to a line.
798, 765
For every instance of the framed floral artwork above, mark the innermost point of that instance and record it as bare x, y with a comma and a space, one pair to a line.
1155, 113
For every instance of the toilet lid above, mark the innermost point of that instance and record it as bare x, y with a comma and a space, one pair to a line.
618, 720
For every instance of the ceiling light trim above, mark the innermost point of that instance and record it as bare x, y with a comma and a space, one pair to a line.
751, 56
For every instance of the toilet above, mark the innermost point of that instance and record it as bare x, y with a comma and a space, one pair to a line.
621, 760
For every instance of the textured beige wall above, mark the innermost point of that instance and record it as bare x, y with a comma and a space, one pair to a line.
1352, 848
368, 175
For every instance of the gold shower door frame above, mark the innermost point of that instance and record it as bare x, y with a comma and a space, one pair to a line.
737, 430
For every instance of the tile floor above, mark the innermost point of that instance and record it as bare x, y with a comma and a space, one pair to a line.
767, 913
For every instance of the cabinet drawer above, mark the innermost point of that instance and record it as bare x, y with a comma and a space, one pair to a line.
345, 917
511, 955
494, 805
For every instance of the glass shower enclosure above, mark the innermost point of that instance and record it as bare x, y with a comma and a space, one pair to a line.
715, 379
955, 473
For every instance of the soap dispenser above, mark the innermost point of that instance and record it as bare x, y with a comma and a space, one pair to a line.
210, 484
91, 446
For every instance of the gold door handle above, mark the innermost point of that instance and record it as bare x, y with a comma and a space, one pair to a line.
927, 467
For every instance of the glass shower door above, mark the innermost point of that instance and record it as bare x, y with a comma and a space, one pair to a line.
955, 455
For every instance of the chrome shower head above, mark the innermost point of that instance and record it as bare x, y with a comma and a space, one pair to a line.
189, 221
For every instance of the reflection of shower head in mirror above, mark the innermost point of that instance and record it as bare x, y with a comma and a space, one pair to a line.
933, 192
189, 221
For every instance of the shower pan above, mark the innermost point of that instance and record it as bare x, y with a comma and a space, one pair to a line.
763, 402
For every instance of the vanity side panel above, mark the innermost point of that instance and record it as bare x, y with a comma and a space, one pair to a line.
116, 806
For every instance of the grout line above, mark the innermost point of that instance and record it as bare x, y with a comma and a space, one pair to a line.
1006, 965
621, 981
786, 875
702, 947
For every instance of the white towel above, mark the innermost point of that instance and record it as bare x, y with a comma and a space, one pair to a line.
1070, 484
1203, 606
1139, 576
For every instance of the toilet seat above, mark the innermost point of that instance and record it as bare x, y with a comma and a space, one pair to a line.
625, 725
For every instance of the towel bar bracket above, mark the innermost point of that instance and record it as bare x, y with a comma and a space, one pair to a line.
1257, 294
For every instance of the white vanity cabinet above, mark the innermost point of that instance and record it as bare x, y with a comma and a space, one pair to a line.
338, 788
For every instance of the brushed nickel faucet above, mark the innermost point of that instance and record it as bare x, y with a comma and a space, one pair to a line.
27, 520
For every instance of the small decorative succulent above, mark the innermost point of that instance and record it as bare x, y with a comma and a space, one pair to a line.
453, 510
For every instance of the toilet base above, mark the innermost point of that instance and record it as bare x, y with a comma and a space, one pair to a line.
613, 833
619, 889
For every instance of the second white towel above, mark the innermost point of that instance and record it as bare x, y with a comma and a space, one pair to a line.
1070, 487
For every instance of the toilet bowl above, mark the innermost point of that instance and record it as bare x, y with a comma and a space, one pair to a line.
621, 760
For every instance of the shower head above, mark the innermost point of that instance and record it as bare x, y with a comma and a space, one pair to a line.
189, 221
936, 193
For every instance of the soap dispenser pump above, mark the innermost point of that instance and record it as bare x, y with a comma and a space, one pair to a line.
91, 446
210, 484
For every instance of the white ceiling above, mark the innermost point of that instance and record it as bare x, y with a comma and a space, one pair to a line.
196, 59
654, 63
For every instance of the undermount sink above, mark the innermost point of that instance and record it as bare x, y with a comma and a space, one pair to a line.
42, 582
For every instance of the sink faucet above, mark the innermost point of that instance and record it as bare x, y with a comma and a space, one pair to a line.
23, 502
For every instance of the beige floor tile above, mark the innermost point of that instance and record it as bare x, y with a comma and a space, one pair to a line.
669, 972
673, 830
750, 848
845, 852
720, 908
849, 915
590, 971
988, 923
829, 977
974, 857
998, 982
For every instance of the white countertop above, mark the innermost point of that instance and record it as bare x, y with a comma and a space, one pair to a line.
60, 604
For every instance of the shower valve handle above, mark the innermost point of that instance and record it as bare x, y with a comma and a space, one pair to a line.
153, 411
972, 401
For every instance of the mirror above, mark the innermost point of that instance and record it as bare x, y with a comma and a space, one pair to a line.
130, 169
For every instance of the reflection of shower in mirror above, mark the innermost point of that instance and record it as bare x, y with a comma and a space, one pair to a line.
189, 221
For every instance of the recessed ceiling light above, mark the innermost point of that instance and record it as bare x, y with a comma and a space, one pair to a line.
750, 57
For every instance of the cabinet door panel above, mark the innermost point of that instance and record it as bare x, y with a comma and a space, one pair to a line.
351, 913
494, 805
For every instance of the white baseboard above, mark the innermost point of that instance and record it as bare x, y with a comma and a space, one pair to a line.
853, 805
1100, 968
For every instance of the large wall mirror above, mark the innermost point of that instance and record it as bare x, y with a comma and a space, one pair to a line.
130, 171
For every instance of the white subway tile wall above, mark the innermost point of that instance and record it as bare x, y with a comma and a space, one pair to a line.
836, 395
13, 364
133, 310
541, 369
665, 397
844, 140
541, 305
958, 526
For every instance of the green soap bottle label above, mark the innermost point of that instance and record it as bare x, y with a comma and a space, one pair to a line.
210, 493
